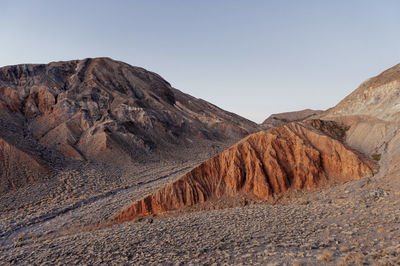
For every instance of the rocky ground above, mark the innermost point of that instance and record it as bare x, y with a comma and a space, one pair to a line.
355, 223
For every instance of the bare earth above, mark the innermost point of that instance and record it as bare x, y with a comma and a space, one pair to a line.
358, 222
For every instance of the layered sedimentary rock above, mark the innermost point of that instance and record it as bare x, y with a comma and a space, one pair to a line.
18, 168
105, 110
263, 164
377, 97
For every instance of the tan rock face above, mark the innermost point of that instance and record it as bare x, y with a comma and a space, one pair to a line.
372, 114
377, 97
18, 168
261, 165
109, 111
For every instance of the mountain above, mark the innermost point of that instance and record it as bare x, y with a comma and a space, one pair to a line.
96, 108
287, 117
108, 111
263, 165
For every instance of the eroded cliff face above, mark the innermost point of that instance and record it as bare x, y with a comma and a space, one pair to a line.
263, 164
18, 168
105, 110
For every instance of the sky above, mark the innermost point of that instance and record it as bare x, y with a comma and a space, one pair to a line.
253, 58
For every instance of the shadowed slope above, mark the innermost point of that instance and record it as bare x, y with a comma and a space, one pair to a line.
261, 165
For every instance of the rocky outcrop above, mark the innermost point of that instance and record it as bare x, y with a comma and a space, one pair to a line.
281, 119
18, 168
105, 110
377, 97
263, 164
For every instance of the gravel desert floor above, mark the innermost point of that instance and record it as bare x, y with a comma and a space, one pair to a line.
352, 224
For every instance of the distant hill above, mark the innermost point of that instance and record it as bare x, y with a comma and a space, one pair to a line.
281, 119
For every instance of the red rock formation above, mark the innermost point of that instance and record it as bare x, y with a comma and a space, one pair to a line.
18, 168
261, 165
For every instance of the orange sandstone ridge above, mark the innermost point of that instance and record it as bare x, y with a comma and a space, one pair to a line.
271, 162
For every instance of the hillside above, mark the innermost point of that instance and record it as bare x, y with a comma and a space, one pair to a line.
377, 97
100, 108
107, 111
372, 114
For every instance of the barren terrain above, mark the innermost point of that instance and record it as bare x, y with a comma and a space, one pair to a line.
357, 222
66, 214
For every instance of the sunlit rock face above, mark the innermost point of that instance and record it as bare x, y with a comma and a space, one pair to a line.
272, 162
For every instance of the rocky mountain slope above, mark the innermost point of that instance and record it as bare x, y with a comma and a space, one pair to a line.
108, 111
262, 165
103, 109
376, 97
372, 115
18, 168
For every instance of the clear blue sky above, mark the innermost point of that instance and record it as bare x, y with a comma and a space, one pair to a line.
253, 58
